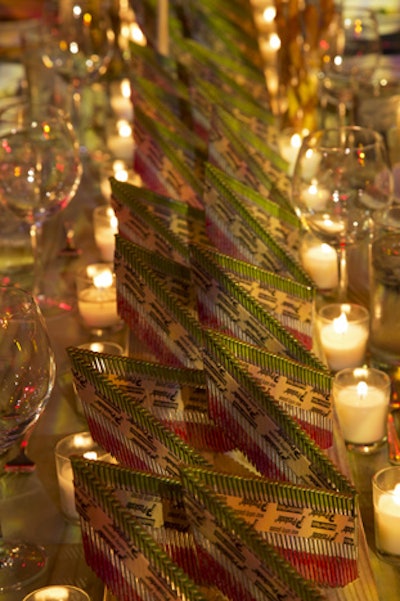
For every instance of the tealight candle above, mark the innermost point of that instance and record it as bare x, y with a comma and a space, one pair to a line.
105, 226
386, 501
320, 261
343, 331
97, 296
361, 400
75, 444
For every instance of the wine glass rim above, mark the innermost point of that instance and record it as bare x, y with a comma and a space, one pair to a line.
372, 137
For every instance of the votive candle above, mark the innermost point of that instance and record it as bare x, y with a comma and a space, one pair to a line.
361, 400
343, 331
386, 501
97, 296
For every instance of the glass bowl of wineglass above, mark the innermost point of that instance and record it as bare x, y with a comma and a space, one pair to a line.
40, 171
78, 45
351, 50
341, 179
27, 374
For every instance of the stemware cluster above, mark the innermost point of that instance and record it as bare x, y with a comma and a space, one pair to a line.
40, 169
27, 374
351, 51
341, 179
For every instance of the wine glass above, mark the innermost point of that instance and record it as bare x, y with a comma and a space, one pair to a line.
40, 171
342, 177
78, 45
351, 50
27, 373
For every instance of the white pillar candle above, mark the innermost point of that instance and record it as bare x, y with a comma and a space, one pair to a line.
344, 335
320, 261
105, 227
97, 296
362, 412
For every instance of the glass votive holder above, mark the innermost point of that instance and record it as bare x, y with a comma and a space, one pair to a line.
320, 261
384, 342
386, 502
82, 444
289, 143
105, 227
361, 399
342, 335
97, 297
57, 592
99, 346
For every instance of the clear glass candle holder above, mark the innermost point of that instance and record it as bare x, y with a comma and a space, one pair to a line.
107, 347
105, 227
82, 444
342, 335
361, 398
58, 592
386, 502
97, 297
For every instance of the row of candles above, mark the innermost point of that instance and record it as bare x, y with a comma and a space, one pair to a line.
362, 398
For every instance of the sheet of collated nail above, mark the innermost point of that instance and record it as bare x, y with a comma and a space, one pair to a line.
176, 397
125, 428
135, 534
315, 531
291, 303
157, 222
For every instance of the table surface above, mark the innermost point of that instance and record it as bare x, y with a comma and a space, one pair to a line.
29, 503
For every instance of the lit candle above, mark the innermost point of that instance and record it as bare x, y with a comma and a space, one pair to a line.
264, 17
105, 226
315, 197
362, 412
361, 400
343, 335
321, 263
74, 444
386, 498
289, 146
121, 102
97, 296
121, 144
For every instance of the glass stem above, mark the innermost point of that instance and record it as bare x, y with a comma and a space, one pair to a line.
36, 231
343, 273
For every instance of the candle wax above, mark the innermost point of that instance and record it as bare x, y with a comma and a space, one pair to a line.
387, 523
321, 263
105, 242
362, 417
67, 490
344, 349
98, 307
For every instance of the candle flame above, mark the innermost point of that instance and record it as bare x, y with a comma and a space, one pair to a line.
340, 324
104, 279
362, 390
90, 455
296, 140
